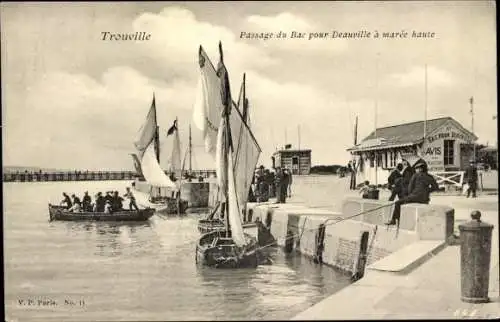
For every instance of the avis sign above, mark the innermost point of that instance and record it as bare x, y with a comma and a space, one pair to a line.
433, 155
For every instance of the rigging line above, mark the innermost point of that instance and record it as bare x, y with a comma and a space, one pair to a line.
325, 224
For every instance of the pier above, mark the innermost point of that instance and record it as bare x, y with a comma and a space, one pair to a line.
78, 175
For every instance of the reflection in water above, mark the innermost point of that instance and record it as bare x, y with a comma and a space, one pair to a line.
141, 271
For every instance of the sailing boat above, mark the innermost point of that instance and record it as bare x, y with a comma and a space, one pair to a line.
213, 220
148, 146
235, 162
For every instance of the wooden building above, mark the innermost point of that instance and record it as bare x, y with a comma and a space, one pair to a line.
448, 147
299, 161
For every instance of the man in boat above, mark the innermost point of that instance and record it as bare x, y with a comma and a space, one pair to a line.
394, 182
109, 196
76, 200
77, 205
99, 202
87, 202
420, 187
107, 207
117, 202
66, 201
131, 197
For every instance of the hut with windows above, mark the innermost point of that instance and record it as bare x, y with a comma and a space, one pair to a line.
297, 160
446, 146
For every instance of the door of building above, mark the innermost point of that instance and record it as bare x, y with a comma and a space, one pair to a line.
295, 165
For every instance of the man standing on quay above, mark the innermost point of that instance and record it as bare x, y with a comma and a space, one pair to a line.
471, 178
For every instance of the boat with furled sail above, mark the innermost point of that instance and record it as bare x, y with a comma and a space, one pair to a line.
236, 155
148, 157
61, 213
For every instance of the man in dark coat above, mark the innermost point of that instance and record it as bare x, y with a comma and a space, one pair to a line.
471, 179
86, 202
280, 187
66, 201
117, 202
394, 182
99, 202
406, 175
419, 189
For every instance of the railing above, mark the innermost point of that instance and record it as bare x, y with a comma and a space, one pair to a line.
83, 175
446, 179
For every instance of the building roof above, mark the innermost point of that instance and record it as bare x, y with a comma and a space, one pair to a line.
401, 135
291, 150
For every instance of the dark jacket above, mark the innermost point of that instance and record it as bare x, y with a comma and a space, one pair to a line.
421, 185
392, 178
99, 203
471, 174
406, 178
86, 200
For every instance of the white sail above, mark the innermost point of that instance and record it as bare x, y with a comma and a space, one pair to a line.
246, 156
208, 104
234, 210
152, 171
207, 117
145, 145
220, 166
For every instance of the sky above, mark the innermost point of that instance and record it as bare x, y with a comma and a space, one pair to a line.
72, 100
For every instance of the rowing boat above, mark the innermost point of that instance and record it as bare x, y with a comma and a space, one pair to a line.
60, 213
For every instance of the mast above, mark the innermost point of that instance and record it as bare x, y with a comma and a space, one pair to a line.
356, 131
471, 101
190, 151
157, 134
376, 112
245, 102
425, 108
180, 177
226, 101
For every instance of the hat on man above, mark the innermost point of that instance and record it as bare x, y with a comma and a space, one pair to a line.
420, 164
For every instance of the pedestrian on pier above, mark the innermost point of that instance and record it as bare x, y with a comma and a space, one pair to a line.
290, 180
471, 178
419, 190
352, 169
280, 189
270, 178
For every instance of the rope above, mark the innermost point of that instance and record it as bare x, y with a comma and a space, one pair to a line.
332, 223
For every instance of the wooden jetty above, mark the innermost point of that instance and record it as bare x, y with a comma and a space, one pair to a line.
41, 176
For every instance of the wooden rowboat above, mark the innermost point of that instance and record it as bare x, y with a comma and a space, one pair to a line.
216, 250
60, 213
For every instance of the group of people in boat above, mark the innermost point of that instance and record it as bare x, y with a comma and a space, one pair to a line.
108, 203
271, 183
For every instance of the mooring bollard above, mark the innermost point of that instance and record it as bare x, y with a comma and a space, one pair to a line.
475, 256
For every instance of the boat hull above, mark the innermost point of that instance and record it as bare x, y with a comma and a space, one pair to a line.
167, 206
213, 250
59, 213
170, 207
206, 226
